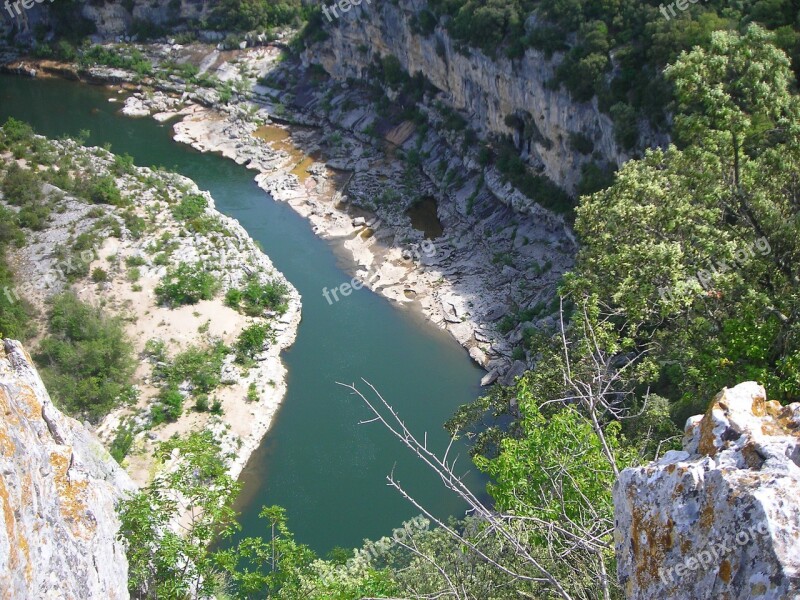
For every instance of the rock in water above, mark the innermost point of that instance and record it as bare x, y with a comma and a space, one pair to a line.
58, 489
720, 519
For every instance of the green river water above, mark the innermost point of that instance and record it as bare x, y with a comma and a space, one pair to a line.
316, 461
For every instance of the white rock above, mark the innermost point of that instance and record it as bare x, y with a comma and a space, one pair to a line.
59, 488
720, 519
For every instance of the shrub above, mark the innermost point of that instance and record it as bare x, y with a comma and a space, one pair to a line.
86, 360
190, 207
135, 261
15, 313
101, 189
187, 284
581, 143
122, 442
22, 187
16, 132
200, 367
172, 403
135, 224
256, 297
216, 407
252, 393
626, 126
99, 275
123, 164
251, 341
201, 403
233, 298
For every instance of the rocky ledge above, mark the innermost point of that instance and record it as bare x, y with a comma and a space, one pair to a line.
58, 488
720, 519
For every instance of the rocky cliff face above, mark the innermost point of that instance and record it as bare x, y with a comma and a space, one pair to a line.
58, 489
486, 90
114, 19
720, 519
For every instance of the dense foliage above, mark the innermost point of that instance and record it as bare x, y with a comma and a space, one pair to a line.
166, 564
641, 36
695, 248
86, 361
257, 15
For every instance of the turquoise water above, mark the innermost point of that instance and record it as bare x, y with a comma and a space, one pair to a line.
317, 461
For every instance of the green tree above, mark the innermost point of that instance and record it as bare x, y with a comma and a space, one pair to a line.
692, 247
178, 562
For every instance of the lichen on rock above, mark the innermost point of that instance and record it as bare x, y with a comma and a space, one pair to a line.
720, 519
58, 490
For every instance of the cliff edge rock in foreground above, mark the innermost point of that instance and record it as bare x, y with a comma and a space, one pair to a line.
720, 519
58, 488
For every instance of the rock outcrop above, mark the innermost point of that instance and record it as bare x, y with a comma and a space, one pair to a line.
720, 519
58, 489
487, 90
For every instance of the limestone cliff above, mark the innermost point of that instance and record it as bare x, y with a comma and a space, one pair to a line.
486, 90
720, 519
58, 489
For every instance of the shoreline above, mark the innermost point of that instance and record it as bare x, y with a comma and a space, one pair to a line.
461, 288
227, 251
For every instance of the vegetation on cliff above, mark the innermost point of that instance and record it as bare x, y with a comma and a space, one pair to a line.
620, 48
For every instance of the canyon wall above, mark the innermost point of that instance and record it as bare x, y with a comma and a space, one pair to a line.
721, 518
58, 489
486, 90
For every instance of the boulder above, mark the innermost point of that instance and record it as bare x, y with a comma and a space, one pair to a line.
721, 518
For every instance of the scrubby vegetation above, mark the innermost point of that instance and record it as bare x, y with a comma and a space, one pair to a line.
256, 297
86, 360
252, 340
187, 284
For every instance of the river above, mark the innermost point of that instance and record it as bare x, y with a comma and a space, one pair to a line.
316, 461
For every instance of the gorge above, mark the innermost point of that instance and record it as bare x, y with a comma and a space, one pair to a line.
474, 207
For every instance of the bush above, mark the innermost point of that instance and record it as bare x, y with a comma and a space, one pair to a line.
87, 360
257, 297
626, 126
233, 298
251, 341
22, 187
15, 314
103, 190
536, 187
200, 367
122, 442
581, 143
190, 207
187, 284
99, 275
201, 403
171, 405
261, 15
593, 179
16, 132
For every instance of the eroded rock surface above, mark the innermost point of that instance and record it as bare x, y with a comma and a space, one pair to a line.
720, 519
58, 489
